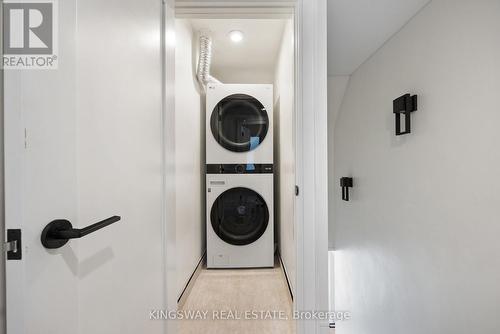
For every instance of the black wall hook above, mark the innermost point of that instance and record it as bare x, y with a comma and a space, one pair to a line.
346, 183
404, 105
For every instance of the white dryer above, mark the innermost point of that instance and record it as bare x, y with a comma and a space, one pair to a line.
239, 124
240, 225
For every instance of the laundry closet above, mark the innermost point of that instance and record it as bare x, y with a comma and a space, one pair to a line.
234, 147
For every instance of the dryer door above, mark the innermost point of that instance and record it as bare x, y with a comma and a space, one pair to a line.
239, 216
239, 123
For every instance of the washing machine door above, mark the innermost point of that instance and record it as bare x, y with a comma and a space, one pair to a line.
239, 216
239, 123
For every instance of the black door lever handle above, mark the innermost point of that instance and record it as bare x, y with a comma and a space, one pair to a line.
58, 232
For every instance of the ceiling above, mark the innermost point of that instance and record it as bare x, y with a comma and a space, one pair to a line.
358, 28
258, 51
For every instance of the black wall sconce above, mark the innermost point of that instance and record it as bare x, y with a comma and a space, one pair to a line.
404, 105
346, 183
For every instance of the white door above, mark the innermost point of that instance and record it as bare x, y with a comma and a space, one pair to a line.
84, 142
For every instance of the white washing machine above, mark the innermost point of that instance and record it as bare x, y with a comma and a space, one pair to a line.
239, 124
240, 225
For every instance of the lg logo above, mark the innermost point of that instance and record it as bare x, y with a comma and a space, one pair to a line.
28, 28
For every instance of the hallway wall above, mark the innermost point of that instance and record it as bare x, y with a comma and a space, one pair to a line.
189, 157
416, 248
337, 86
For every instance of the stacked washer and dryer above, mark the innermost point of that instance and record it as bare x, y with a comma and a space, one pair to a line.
239, 157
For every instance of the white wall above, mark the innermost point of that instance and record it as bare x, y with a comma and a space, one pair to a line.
189, 157
417, 246
285, 152
337, 86
229, 75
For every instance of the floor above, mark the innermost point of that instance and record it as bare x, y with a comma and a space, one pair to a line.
242, 294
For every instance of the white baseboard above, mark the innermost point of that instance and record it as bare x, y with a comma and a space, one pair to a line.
189, 285
286, 275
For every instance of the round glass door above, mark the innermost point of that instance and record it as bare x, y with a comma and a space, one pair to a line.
239, 216
239, 123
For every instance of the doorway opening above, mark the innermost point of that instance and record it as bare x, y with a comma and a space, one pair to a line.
235, 169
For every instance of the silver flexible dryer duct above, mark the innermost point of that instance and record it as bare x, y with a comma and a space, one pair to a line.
204, 61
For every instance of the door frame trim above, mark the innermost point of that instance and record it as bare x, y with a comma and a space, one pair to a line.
168, 164
3, 317
232, 9
312, 162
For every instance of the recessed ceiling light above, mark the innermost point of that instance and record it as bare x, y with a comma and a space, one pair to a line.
236, 36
